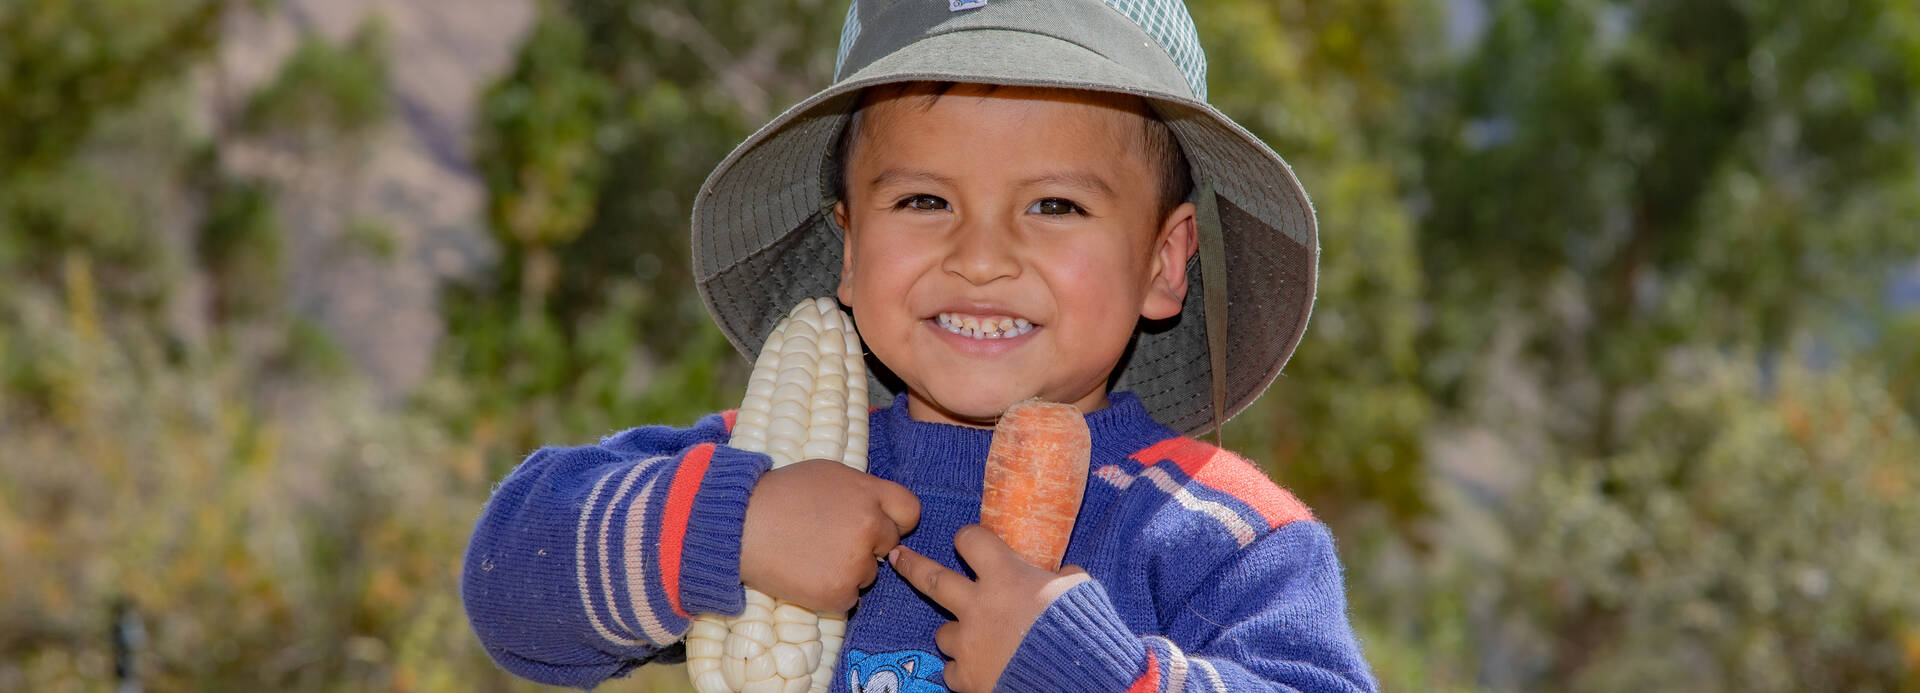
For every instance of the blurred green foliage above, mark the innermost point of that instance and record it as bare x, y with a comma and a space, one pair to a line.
68, 64
1601, 391
325, 87
240, 247
1752, 539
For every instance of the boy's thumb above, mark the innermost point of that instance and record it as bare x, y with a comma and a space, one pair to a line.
900, 506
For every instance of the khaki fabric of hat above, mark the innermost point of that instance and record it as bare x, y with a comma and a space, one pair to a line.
764, 236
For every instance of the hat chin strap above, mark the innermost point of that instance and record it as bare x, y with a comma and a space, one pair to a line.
1213, 282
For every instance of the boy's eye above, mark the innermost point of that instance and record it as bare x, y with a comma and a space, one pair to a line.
1054, 205
923, 203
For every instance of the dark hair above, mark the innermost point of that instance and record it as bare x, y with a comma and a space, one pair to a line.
1157, 140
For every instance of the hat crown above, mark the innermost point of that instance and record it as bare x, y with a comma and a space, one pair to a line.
1166, 22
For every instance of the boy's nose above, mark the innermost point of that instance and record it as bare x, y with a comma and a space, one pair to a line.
982, 252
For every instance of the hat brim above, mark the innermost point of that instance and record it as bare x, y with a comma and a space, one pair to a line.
764, 236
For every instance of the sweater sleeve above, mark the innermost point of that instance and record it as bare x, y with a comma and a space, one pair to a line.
590, 561
1272, 619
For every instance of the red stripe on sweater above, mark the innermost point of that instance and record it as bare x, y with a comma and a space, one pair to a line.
1148, 682
728, 417
1230, 474
673, 521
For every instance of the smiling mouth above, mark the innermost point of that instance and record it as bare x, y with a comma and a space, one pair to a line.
983, 327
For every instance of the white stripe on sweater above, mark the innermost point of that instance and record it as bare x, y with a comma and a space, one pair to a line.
1234, 524
1176, 665
606, 569
580, 564
636, 587
600, 546
1213, 675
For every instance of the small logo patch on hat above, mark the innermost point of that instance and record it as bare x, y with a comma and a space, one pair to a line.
958, 5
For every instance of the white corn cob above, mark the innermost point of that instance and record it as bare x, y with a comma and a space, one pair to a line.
807, 399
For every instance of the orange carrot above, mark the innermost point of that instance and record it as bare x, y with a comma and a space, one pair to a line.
1036, 473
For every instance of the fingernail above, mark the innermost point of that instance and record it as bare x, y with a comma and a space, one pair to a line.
893, 554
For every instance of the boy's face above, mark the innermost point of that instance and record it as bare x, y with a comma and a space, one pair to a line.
1002, 244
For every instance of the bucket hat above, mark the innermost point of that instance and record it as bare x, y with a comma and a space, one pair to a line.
764, 237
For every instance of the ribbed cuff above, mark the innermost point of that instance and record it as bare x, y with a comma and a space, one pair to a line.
710, 561
1078, 644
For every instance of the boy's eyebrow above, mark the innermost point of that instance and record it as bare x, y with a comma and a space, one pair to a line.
902, 175
1076, 179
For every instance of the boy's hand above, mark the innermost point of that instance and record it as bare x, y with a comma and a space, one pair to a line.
814, 530
992, 615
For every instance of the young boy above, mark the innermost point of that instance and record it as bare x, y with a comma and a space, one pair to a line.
1016, 199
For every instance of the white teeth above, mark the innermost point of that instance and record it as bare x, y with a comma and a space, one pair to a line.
987, 328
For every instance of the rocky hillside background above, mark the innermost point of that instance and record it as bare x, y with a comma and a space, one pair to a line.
411, 176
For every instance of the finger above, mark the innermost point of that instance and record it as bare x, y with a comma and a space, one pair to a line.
983, 550
900, 505
947, 639
869, 571
956, 681
948, 588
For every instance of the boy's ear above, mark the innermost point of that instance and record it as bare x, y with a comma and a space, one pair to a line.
1167, 274
845, 290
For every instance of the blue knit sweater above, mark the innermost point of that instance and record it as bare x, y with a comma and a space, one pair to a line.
1206, 576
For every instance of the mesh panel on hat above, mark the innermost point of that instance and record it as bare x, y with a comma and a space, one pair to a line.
1171, 27
848, 32
1165, 21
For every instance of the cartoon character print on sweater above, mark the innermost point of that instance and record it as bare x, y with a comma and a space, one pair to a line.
900, 671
